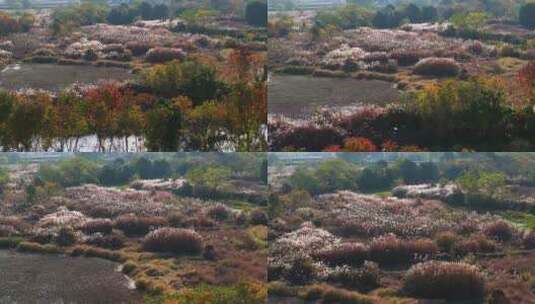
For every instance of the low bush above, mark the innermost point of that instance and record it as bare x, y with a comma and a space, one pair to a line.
328, 73
342, 296
98, 225
362, 279
500, 231
446, 240
41, 59
112, 64
307, 138
65, 237
162, 54
113, 47
529, 240
353, 254
37, 248
175, 240
475, 244
97, 253
218, 212
389, 250
388, 67
106, 241
405, 58
176, 219
258, 217
9, 242
444, 280
434, 66
133, 225
301, 271
296, 70
138, 48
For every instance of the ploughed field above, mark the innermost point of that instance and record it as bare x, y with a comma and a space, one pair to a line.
35, 278
53, 77
299, 96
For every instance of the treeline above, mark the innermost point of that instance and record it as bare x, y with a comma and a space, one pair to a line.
464, 16
173, 106
12, 24
333, 175
213, 170
64, 20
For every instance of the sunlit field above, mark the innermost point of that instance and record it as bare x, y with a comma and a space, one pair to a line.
133, 228
401, 228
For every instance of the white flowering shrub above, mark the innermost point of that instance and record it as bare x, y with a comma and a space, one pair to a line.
63, 218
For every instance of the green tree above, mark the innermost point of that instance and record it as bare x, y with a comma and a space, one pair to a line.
256, 13
526, 15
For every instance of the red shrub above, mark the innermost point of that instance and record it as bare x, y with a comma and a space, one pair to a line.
434, 66
500, 230
133, 225
175, 240
389, 250
161, 54
258, 217
406, 58
218, 212
359, 144
97, 225
444, 280
344, 254
476, 244
138, 48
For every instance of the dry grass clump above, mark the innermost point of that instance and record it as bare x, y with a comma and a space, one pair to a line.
353, 254
175, 240
163, 54
499, 230
134, 225
434, 66
444, 280
98, 226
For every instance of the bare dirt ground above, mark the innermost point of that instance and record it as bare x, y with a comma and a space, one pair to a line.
40, 279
